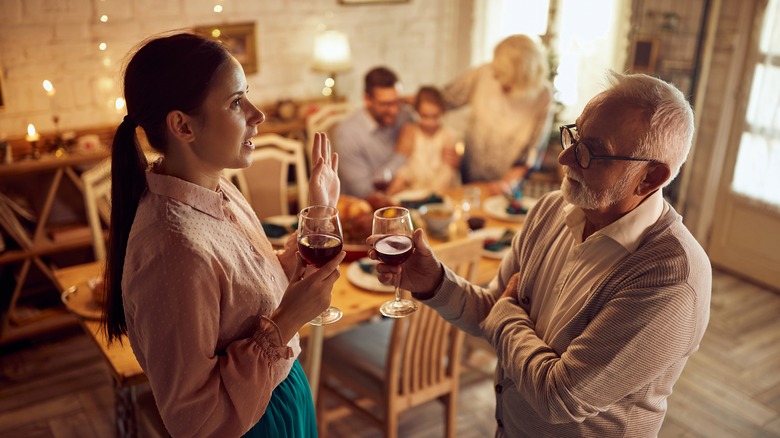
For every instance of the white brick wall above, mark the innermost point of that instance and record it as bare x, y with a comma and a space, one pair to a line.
58, 40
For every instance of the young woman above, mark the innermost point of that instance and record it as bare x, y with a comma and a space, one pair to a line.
211, 311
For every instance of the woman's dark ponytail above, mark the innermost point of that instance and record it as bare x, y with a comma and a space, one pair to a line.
128, 182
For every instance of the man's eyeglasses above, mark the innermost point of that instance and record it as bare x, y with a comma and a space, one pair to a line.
582, 152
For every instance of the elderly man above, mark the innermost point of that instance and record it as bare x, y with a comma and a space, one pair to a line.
366, 140
605, 294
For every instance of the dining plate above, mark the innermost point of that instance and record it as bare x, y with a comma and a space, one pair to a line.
364, 280
79, 301
495, 206
494, 233
287, 221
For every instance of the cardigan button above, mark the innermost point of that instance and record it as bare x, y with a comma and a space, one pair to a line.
525, 300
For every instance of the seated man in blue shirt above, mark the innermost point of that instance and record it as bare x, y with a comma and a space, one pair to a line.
365, 141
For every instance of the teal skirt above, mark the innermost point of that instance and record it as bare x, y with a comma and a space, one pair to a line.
290, 413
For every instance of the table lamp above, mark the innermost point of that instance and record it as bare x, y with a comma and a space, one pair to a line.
331, 55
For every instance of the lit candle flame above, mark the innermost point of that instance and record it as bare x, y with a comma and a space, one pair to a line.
49, 87
31, 134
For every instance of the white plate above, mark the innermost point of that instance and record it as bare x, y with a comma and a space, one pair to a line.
364, 280
411, 195
287, 221
492, 233
495, 206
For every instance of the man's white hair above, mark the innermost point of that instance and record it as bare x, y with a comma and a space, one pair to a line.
670, 133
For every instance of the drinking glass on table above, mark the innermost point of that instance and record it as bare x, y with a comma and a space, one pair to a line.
393, 226
319, 240
382, 179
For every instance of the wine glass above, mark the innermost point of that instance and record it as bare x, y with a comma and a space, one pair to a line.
393, 226
319, 240
382, 179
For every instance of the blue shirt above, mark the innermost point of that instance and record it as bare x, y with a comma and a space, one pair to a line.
365, 148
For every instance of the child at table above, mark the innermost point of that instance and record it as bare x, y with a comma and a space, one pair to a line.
430, 146
211, 311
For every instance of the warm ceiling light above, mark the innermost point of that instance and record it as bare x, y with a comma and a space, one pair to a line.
217, 8
104, 18
102, 46
331, 52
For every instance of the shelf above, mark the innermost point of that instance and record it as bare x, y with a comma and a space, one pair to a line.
15, 255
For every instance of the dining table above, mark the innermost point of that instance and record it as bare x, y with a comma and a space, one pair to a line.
359, 305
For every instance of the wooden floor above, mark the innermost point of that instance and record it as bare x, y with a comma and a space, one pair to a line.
59, 387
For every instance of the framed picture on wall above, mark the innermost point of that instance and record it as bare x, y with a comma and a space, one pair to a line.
644, 54
238, 38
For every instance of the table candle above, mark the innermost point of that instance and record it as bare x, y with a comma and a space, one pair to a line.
32, 136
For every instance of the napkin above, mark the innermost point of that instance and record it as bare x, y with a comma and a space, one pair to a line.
497, 245
417, 203
273, 230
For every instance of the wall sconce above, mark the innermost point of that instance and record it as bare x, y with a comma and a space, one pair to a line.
331, 55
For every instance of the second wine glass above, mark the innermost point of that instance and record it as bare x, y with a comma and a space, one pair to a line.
319, 240
393, 226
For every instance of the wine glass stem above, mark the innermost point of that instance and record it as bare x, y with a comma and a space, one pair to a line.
398, 289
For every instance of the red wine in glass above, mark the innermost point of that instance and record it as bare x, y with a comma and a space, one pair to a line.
394, 249
381, 185
393, 227
382, 180
318, 249
319, 240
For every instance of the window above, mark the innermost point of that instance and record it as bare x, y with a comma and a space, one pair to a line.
757, 171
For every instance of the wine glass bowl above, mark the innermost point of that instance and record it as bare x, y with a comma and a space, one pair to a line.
319, 240
394, 249
393, 228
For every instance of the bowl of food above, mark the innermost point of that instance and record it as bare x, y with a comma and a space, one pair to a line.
437, 218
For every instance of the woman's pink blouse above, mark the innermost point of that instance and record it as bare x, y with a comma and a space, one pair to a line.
200, 281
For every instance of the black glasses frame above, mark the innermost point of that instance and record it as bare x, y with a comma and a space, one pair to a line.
584, 160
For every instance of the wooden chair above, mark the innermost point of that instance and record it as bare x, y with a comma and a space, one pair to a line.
324, 120
97, 202
265, 184
395, 365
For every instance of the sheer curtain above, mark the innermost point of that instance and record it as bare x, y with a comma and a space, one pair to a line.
592, 39
757, 171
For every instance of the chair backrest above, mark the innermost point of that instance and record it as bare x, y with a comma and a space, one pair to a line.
97, 202
324, 120
265, 183
424, 357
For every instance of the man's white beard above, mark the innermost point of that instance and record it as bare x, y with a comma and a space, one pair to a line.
583, 197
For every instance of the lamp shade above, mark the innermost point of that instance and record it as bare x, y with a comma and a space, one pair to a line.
331, 52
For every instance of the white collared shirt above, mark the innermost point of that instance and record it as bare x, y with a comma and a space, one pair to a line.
573, 266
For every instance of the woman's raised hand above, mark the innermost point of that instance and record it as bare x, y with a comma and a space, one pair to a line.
324, 185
